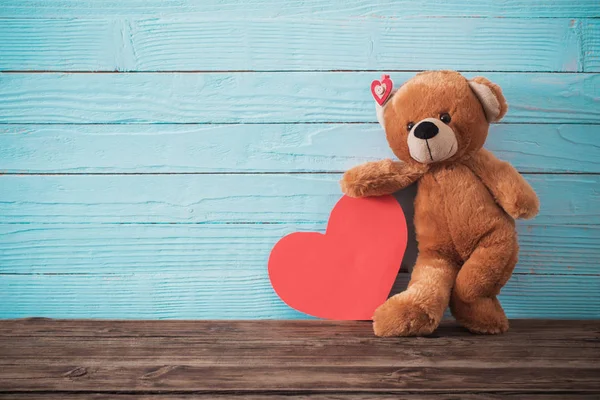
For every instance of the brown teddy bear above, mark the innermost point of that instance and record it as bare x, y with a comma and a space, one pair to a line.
436, 123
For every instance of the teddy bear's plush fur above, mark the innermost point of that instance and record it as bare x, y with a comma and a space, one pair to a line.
465, 206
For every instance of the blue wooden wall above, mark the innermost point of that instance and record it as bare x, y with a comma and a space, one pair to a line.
153, 151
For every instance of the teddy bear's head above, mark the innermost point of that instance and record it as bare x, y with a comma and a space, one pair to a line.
440, 116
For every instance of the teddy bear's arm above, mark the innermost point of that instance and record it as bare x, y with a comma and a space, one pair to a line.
378, 178
510, 190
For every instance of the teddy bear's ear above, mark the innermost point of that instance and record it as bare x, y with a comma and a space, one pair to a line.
491, 98
379, 111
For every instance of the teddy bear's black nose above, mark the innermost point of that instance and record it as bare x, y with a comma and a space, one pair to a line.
426, 130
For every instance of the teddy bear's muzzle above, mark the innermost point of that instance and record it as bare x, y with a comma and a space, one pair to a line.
431, 140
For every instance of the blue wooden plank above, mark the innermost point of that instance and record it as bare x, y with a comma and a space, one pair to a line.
262, 97
241, 295
265, 147
591, 44
239, 9
233, 198
220, 249
552, 296
74, 44
229, 295
192, 44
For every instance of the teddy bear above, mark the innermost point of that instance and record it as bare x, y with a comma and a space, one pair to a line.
436, 124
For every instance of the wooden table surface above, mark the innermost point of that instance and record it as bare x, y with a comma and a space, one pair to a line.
80, 359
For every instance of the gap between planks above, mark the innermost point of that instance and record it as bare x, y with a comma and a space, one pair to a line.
285, 71
240, 173
235, 123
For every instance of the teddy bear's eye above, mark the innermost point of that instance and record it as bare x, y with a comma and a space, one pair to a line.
410, 125
445, 117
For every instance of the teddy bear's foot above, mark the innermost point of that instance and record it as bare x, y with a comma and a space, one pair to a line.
401, 315
486, 327
483, 316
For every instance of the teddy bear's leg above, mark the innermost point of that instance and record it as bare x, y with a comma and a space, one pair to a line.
419, 309
482, 314
490, 265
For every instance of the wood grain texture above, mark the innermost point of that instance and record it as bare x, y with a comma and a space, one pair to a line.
295, 44
251, 198
238, 9
153, 377
262, 97
226, 249
310, 357
355, 351
265, 147
239, 294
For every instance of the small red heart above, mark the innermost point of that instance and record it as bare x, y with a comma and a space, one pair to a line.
381, 90
346, 273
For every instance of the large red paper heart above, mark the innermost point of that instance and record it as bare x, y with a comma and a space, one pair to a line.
346, 273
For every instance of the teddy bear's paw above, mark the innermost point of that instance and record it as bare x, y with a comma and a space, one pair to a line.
400, 316
525, 206
527, 213
483, 316
368, 178
351, 187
